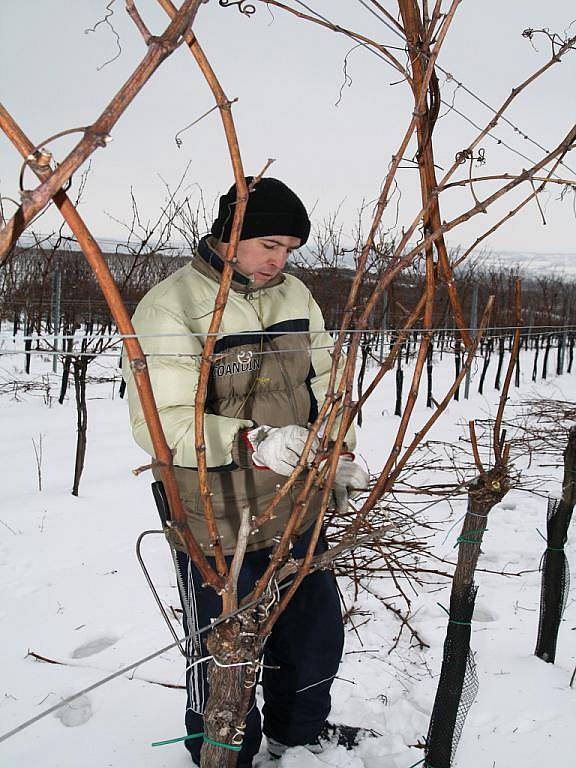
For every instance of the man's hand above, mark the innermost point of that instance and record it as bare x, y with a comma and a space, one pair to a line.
279, 448
350, 476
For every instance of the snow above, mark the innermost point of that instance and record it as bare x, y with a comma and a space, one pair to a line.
72, 591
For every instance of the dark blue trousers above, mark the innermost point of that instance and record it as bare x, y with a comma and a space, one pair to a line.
305, 645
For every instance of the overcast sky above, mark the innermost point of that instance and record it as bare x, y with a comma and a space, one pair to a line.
287, 76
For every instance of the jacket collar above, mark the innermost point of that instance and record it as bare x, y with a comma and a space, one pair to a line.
207, 261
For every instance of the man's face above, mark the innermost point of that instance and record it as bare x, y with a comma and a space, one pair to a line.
262, 258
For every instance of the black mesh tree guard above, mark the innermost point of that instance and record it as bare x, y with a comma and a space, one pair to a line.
555, 570
458, 684
555, 580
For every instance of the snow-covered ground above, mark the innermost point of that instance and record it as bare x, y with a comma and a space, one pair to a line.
72, 591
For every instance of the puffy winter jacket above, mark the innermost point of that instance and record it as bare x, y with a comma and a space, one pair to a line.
271, 366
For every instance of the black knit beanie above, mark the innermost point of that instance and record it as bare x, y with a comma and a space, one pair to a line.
273, 209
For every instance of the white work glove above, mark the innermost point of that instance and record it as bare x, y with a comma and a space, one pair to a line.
279, 448
349, 477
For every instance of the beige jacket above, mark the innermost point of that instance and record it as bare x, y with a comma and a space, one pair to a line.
272, 365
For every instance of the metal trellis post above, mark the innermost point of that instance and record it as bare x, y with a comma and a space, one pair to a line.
56, 301
473, 326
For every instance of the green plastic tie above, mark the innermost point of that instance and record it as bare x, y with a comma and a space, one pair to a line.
450, 621
460, 539
197, 736
224, 746
555, 549
423, 763
180, 738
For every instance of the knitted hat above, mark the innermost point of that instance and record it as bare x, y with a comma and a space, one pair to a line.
273, 209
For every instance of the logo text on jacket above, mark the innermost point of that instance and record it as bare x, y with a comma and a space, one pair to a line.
245, 361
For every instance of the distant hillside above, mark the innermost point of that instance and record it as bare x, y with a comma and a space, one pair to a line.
561, 264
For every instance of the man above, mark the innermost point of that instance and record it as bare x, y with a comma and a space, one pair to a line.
271, 369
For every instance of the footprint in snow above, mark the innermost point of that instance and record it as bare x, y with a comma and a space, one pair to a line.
75, 713
484, 614
93, 646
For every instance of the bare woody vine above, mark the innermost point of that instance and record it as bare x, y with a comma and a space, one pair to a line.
423, 29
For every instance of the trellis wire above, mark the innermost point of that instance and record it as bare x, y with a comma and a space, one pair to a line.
221, 356
134, 665
532, 330
461, 114
470, 92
